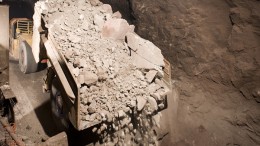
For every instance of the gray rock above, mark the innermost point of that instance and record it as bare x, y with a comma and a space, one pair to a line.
133, 103
94, 129
106, 8
103, 127
141, 63
156, 96
145, 49
133, 41
94, 88
109, 107
76, 62
161, 106
90, 99
99, 21
139, 75
141, 101
120, 114
85, 25
102, 74
92, 107
74, 38
115, 29
95, 2
81, 79
75, 71
151, 75
159, 82
153, 103
117, 14
91, 110
131, 28
109, 118
90, 78
82, 63
68, 54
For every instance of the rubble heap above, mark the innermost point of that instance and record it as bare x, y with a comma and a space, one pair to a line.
119, 73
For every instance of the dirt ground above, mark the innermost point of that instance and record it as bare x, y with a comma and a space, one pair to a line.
32, 110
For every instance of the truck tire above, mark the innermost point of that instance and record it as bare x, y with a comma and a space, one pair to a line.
27, 63
58, 115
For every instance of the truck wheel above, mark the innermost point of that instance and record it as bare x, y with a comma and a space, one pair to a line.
27, 63
58, 113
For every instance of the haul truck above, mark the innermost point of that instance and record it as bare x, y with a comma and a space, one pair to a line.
36, 44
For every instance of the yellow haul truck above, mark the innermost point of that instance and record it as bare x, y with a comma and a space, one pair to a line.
31, 43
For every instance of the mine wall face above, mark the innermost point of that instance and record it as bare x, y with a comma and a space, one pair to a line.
217, 40
214, 48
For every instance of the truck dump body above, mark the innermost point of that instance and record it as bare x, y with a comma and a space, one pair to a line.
114, 74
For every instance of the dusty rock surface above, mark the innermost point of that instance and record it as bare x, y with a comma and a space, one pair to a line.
214, 49
117, 88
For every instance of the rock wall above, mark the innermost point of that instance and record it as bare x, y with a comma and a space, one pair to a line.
214, 48
217, 40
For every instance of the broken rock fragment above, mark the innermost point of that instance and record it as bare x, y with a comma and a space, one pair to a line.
99, 21
76, 71
106, 8
120, 114
153, 103
141, 101
90, 78
94, 2
145, 49
74, 38
92, 107
85, 25
133, 41
115, 29
151, 75
117, 14
81, 79
102, 74
68, 54
141, 63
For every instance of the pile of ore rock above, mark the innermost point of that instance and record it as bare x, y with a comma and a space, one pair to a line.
119, 73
